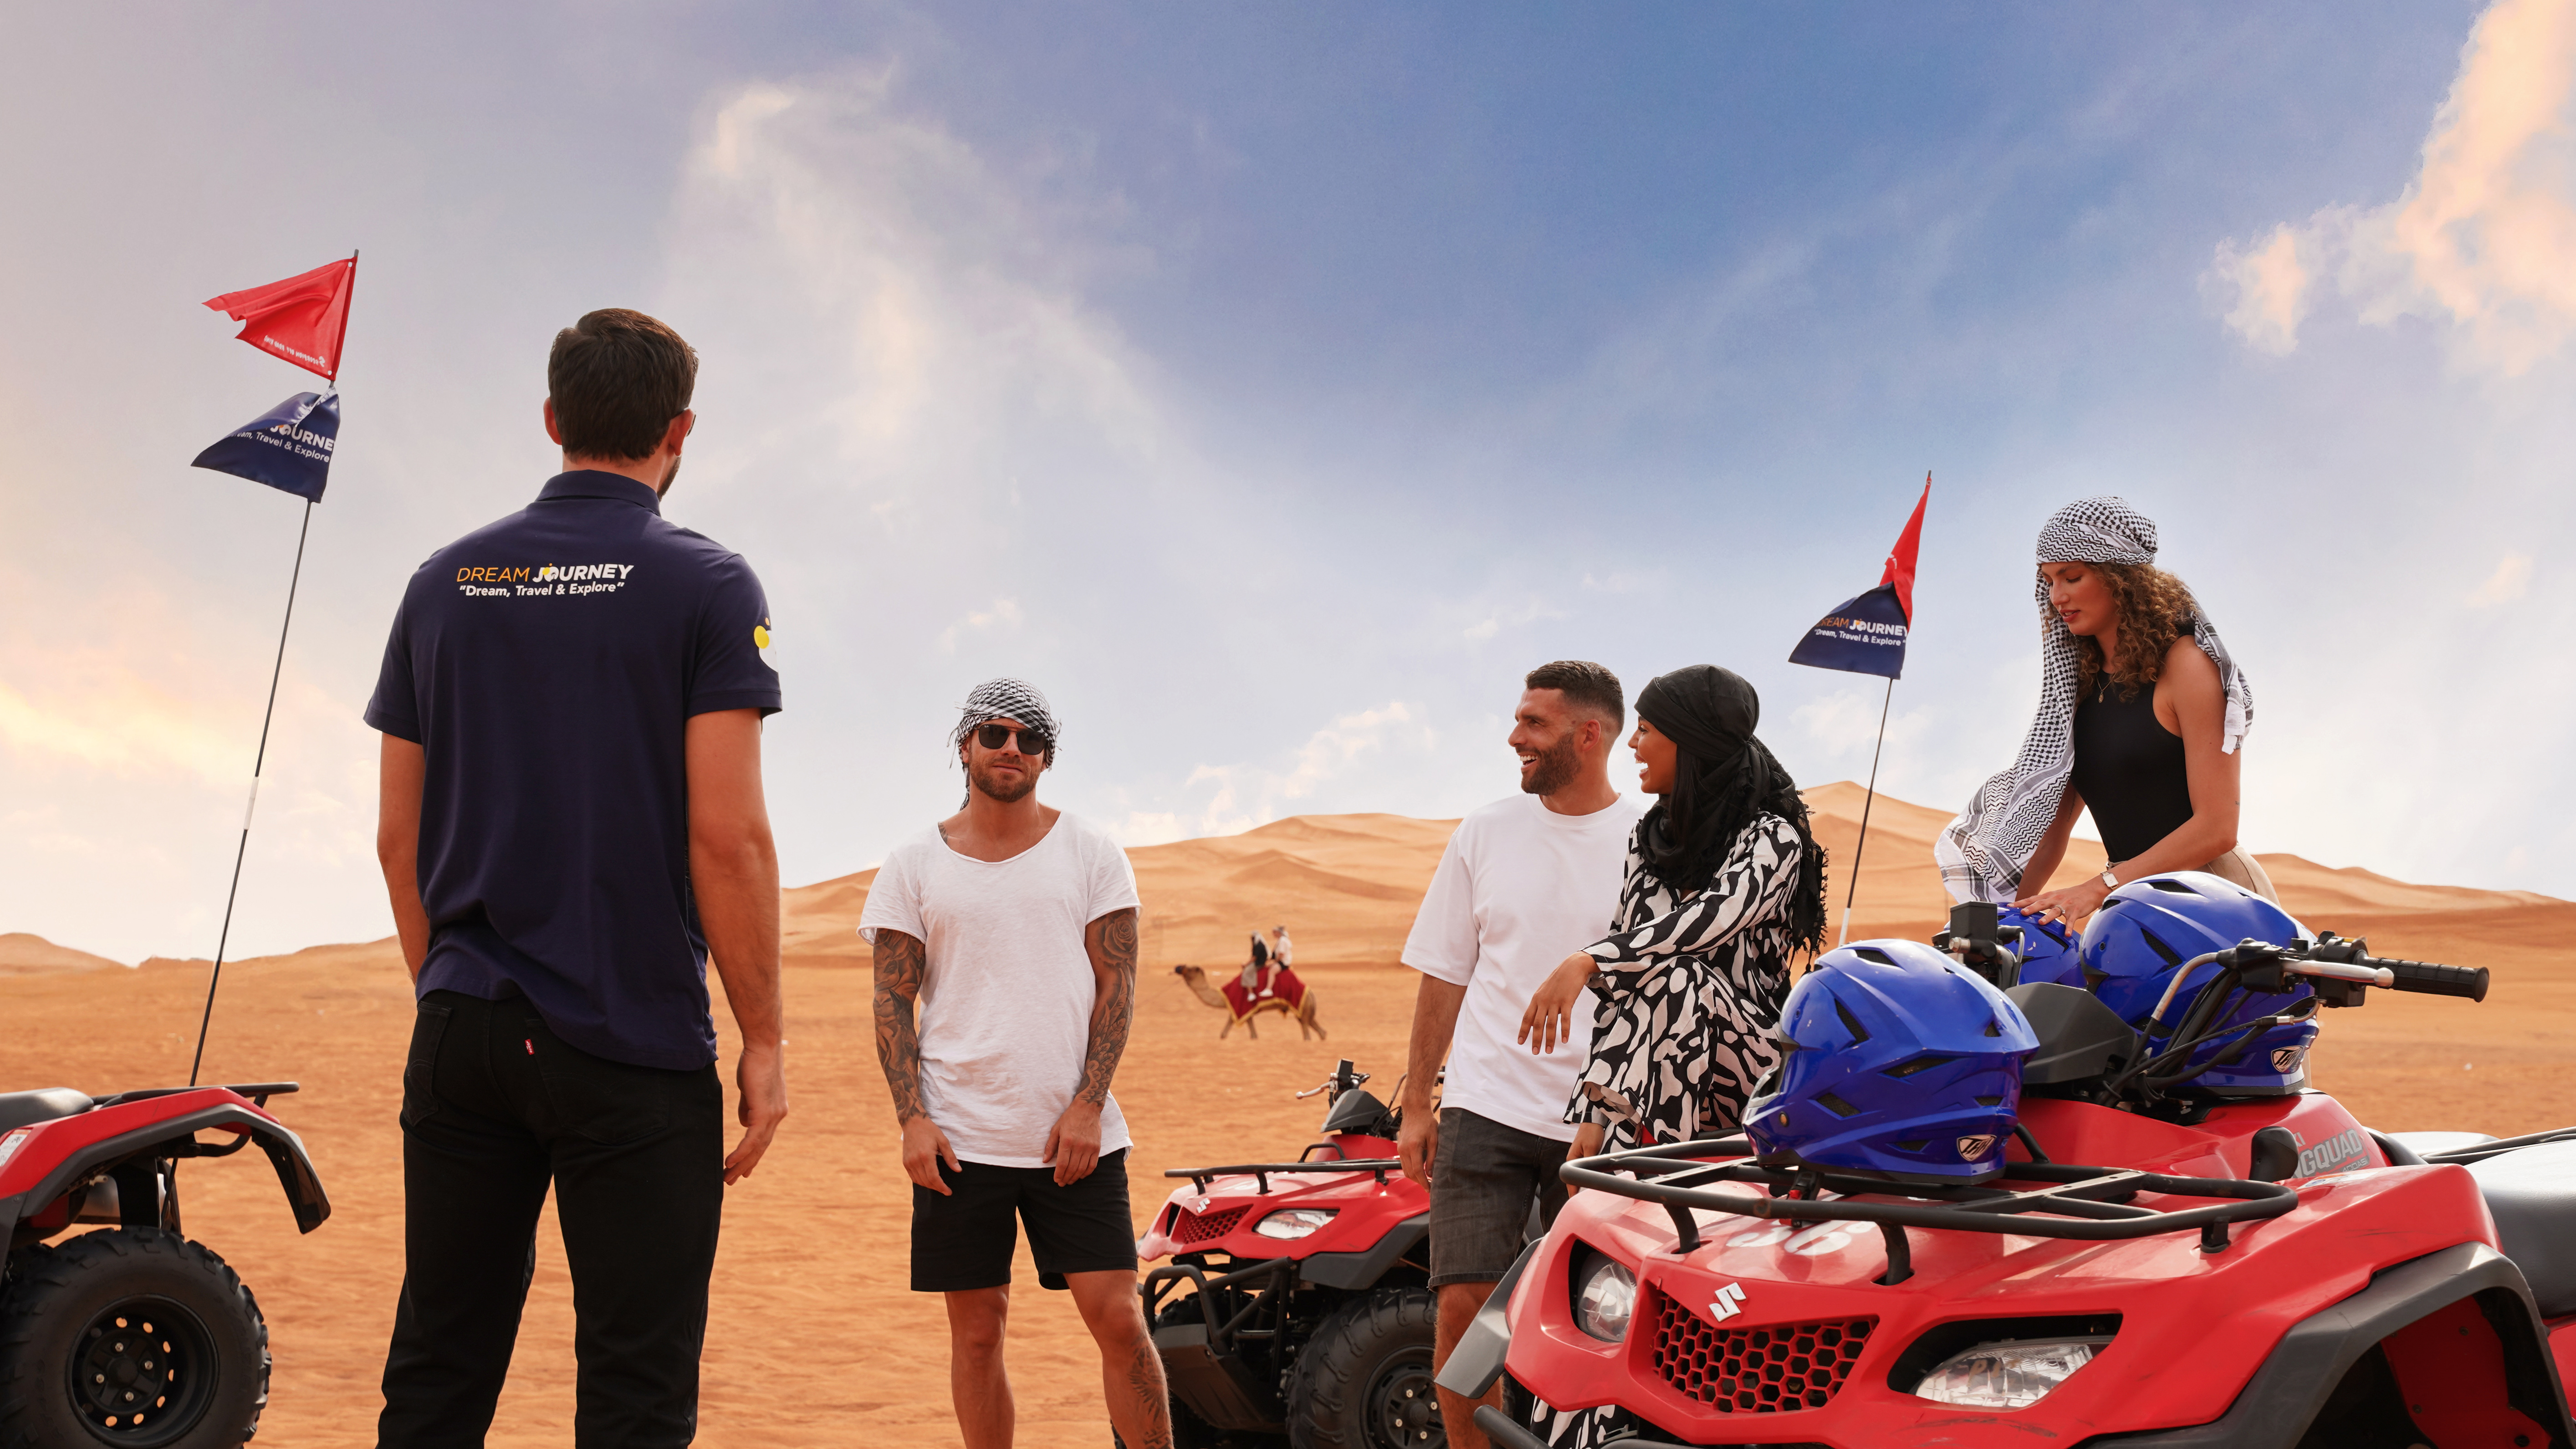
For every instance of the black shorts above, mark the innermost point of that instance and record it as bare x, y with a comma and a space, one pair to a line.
1485, 1178
964, 1240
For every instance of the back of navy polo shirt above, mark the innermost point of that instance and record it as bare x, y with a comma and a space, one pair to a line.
548, 665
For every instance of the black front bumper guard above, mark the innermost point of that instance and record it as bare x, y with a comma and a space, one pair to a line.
2091, 1204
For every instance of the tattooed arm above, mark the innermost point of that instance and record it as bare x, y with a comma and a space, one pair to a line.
1074, 1145
899, 962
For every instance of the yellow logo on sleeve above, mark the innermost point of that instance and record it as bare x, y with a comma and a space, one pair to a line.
760, 640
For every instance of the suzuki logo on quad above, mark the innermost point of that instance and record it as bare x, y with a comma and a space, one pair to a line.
1972, 1148
1728, 1302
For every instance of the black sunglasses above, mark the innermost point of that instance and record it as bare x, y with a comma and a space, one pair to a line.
995, 736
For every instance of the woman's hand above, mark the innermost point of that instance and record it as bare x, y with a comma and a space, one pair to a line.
2068, 906
1550, 1018
1587, 1143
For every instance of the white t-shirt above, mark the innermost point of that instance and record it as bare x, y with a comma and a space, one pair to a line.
1519, 889
1007, 989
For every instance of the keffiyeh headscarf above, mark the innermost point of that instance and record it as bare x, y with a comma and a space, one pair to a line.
1981, 854
1006, 699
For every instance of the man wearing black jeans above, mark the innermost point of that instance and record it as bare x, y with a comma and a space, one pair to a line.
571, 822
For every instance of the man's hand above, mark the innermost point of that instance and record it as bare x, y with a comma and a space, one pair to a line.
1550, 1018
1587, 1142
924, 1148
1073, 1145
762, 1077
1417, 1142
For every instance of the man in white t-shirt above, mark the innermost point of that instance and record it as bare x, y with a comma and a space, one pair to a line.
1524, 883
1013, 925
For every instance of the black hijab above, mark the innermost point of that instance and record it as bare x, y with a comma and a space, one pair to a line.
1722, 779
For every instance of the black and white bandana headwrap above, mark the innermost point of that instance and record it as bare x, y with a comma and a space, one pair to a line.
1006, 699
1981, 854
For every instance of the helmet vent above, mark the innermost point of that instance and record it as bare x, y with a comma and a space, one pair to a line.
1919, 1064
2175, 886
1872, 953
1990, 1101
1992, 1029
1851, 1023
2155, 943
1836, 1105
1917, 1145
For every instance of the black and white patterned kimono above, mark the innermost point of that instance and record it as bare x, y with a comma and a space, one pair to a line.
1689, 990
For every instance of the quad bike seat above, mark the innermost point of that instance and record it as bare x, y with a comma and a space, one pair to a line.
44, 1104
2531, 1191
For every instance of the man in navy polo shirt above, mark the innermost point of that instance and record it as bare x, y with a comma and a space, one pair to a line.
571, 823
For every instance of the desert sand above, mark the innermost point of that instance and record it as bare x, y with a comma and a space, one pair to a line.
813, 1338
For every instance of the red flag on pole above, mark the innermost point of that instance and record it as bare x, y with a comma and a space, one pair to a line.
1900, 564
301, 319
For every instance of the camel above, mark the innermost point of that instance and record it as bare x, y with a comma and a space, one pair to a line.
1302, 1012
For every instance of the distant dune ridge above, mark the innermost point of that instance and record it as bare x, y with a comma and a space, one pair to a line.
1346, 887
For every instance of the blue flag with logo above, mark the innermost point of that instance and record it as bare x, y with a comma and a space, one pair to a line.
288, 447
1866, 635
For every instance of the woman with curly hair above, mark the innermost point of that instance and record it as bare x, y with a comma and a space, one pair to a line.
1725, 885
2141, 719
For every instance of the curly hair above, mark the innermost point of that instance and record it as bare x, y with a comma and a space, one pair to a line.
2155, 609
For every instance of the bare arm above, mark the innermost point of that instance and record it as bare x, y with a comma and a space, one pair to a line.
1074, 1145
1435, 1025
401, 767
900, 962
733, 872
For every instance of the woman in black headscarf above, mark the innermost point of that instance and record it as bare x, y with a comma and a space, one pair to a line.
1725, 884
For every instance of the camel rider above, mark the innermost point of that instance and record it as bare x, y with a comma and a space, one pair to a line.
1256, 972
1279, 950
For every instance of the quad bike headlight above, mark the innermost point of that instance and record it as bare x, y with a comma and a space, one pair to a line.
1293, 1222
1605, 1298
2007, 1375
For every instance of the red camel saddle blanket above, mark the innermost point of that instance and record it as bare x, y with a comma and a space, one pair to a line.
1283, 986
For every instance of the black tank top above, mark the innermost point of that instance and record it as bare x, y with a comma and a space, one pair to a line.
2129, 769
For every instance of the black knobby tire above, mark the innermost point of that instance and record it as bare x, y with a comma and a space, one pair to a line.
1364, 1380
135, 1323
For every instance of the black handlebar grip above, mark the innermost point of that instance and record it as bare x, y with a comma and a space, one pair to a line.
2425, 978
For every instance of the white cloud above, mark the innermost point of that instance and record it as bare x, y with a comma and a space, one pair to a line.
1004, 614
2483, 239
1529, 612
1248, 795
2510, 581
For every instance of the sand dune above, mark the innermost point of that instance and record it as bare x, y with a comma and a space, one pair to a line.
812, 1264
24, 955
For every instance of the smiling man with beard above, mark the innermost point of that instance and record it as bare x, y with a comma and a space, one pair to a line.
1524, 881
1013, 926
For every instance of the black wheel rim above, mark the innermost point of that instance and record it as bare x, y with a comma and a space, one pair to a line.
1404, 1408
142, 1373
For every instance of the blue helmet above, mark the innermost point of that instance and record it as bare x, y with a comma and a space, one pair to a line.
2145, 931
1898, 1063
2047, 949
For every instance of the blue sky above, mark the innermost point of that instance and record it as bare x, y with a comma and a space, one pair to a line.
1274, 385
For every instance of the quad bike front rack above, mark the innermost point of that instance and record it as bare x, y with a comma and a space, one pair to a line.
1200, 1177
2092, 1204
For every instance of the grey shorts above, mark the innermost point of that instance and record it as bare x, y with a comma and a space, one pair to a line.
1484, 1179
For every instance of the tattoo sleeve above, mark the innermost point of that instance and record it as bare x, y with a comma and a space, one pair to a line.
899, 961
1111, 941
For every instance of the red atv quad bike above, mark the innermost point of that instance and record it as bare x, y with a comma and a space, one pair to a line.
136, 1336
2153, 1271
1298, 1298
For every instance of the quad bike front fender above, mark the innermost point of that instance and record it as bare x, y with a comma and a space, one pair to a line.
2285, 1396
65, 1152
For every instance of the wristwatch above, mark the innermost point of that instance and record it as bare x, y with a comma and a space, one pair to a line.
2110, 882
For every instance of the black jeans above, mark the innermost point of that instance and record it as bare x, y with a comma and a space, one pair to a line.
494, 1109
